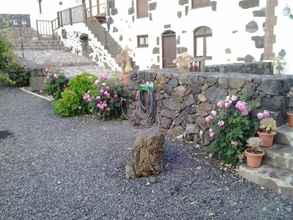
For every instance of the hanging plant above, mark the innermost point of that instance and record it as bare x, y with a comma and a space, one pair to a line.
288, 12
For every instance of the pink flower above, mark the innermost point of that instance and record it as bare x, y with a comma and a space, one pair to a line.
211, 133
266, 114
227, 104
104, 77
234, 98
106, 93
209, 119
214, 113
242, 108
221, 124
87, 97
260, 116
221, 104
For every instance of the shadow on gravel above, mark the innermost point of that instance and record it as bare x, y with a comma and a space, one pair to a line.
4, 134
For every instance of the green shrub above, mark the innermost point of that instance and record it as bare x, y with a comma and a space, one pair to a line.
18, 74
4, 80
55, 85
10, 70
71, 106
68, 105
83, 83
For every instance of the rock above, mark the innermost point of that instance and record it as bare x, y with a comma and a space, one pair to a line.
180, 91
236, 83
147, 154
215, 94
165, 123
202, 98
175, 132
191, 130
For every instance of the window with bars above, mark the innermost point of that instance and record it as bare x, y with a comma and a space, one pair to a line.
142, 41
142, 8
200, 3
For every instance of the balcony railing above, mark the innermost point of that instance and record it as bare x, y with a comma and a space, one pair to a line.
81, 13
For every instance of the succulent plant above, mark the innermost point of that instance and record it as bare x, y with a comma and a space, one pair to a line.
268, 125
254, 144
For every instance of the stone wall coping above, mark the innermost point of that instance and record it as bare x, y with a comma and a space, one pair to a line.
174, 73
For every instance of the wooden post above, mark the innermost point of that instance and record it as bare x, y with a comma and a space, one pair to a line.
37, 25
52, 27
70, 15
91, 8
98, 7
84, 11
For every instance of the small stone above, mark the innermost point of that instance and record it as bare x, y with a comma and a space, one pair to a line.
180, 91
202, 98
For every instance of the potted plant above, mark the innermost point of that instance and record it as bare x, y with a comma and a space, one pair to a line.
267, 132
254, 153
290, 112
290, 119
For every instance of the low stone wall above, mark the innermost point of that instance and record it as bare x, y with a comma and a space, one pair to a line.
184, 100
252, 68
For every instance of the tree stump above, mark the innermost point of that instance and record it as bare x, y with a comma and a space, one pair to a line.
147, 155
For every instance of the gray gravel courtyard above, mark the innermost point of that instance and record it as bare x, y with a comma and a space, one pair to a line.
53, 168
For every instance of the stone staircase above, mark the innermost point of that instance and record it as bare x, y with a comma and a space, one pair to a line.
39, 54
109, 43
277, 170
27, 38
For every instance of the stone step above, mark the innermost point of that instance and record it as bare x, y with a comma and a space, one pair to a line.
280, 156
39, 47
285, 136
278, 180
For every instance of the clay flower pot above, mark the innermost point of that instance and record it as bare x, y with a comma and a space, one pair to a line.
290, 119
267, 139
125, 79
253, 159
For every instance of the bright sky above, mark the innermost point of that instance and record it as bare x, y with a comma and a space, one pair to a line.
18, 6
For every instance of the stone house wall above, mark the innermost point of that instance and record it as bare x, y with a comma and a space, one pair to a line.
184, 100
72, 38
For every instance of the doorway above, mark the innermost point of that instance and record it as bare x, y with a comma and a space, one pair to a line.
169, 49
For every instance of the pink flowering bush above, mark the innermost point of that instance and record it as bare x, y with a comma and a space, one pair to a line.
230, 125
88, 94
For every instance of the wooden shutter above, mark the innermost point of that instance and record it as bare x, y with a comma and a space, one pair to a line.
200, 3
142, 8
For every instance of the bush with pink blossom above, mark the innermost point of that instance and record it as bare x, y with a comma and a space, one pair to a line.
230, 125
104, 96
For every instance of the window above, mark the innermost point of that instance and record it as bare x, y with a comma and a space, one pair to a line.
202, 36
142, 41
200, 3
142, 8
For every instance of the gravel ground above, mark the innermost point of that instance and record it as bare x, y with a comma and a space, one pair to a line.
52, 168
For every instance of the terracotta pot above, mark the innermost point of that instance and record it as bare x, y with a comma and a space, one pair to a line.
290, 119
253, 160
125, 79
267, 139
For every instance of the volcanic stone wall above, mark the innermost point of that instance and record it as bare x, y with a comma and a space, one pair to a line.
184, 100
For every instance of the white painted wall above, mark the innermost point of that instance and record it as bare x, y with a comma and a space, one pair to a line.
227, 18
284, 34
99, 54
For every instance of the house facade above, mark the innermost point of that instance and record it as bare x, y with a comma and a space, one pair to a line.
158, 31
